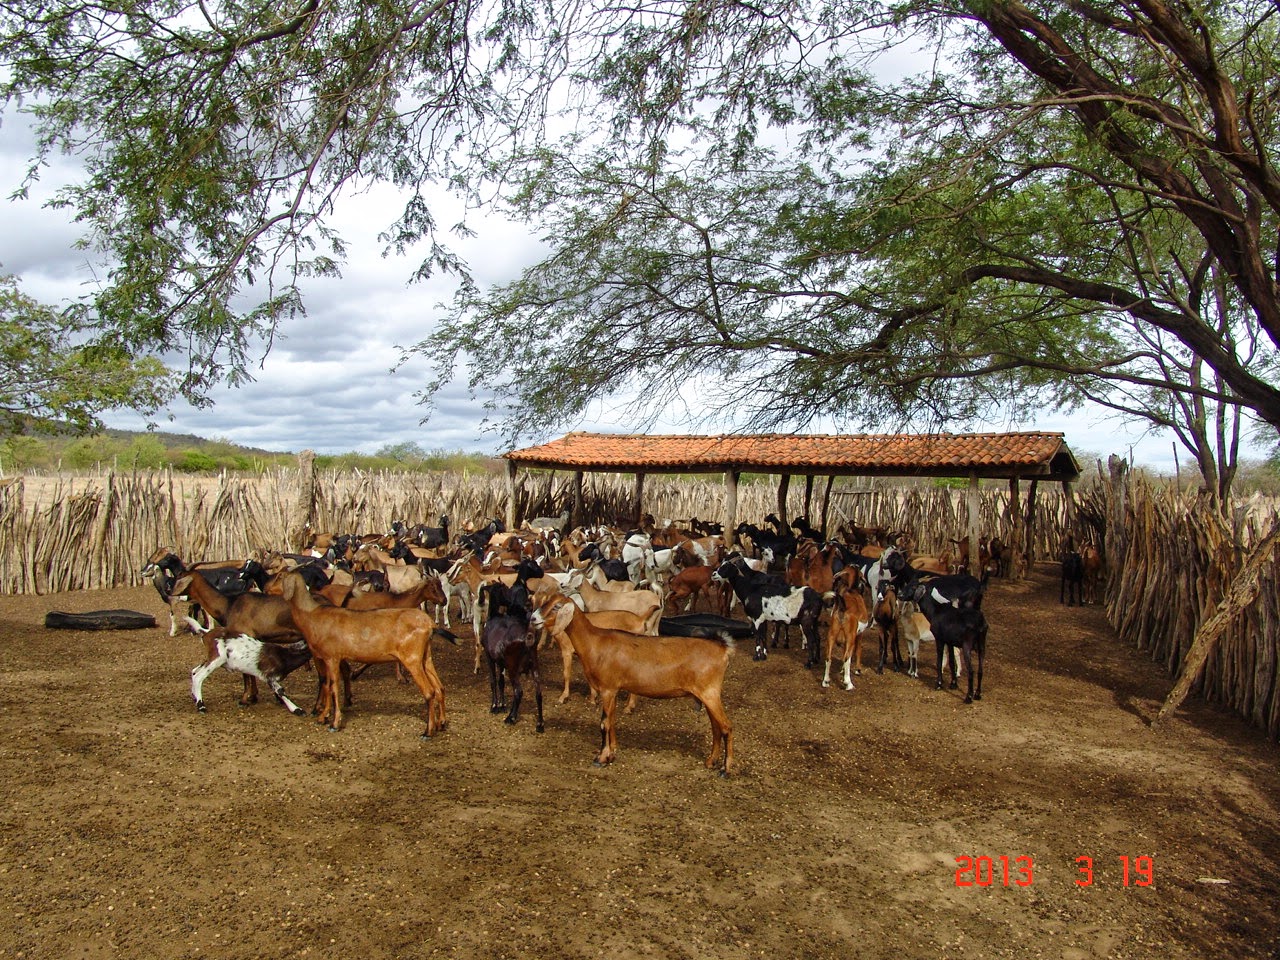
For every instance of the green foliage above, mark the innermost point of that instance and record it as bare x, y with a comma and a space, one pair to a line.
123, 450
193, 461
21, 453
1067, 205
1026, 234
55, 369
146, 452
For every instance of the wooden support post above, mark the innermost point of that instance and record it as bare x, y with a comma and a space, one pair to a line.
511, 495
575, 511
1017, 542
808, 498
1069, 498
826, 504
1117, 539
730, 507
972, 532
784, 484
1029, 545
639, 499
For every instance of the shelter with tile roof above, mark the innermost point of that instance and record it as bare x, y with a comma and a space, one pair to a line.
974, 456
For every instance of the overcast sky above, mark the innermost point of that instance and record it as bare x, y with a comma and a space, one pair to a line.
328, 384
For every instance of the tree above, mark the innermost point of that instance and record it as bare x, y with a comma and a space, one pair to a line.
1072, 201
406, 452
51, 374
1075, 206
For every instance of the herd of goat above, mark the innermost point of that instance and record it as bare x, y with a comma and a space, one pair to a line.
652, 611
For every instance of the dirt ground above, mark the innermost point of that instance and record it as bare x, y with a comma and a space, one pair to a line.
135, 827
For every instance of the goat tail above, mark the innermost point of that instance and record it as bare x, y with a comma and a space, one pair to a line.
727, 638
444, 634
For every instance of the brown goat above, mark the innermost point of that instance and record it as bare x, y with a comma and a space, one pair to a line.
1091, 558
264, 618
427, 591
646, 603
694, 582
648, 666
849, 617
605, 620
885, 614
336, 635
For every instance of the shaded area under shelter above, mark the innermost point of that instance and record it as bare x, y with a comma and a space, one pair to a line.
1033, 456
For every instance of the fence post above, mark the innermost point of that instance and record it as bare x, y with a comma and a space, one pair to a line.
306, 509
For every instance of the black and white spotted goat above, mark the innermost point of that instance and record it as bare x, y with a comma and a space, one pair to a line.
269, 662
770, 599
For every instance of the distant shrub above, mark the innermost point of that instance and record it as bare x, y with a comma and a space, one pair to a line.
145, 453
193, 461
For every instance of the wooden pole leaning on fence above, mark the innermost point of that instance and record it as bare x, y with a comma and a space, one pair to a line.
1243, 591
305, 510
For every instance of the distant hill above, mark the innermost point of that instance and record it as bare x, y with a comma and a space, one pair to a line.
41, 448
186, 441
171, 441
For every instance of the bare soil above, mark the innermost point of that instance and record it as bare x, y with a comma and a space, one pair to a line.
135, 827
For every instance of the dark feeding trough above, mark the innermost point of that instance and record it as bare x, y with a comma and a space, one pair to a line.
99, 620
705, 625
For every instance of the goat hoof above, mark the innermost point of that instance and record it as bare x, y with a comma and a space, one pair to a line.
425, 736
333, 729
495, 709
826, 683
977, 696
299, 712
540, 728
848, 686
968, 699
200, 708
509, 720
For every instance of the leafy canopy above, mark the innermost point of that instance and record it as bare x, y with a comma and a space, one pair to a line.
749, 216
50, 376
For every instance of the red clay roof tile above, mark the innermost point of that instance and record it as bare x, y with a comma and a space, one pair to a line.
939, 454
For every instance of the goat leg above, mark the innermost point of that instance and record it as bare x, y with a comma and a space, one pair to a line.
278, 689
762, 650
538, 698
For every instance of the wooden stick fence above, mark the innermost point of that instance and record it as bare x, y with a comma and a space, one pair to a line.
1171, 559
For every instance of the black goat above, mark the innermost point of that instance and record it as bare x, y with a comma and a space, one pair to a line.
1072, 578
780, 546
933, 593
432, 537
961, 630
511, 649
165, 568
477, 542
801, 526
